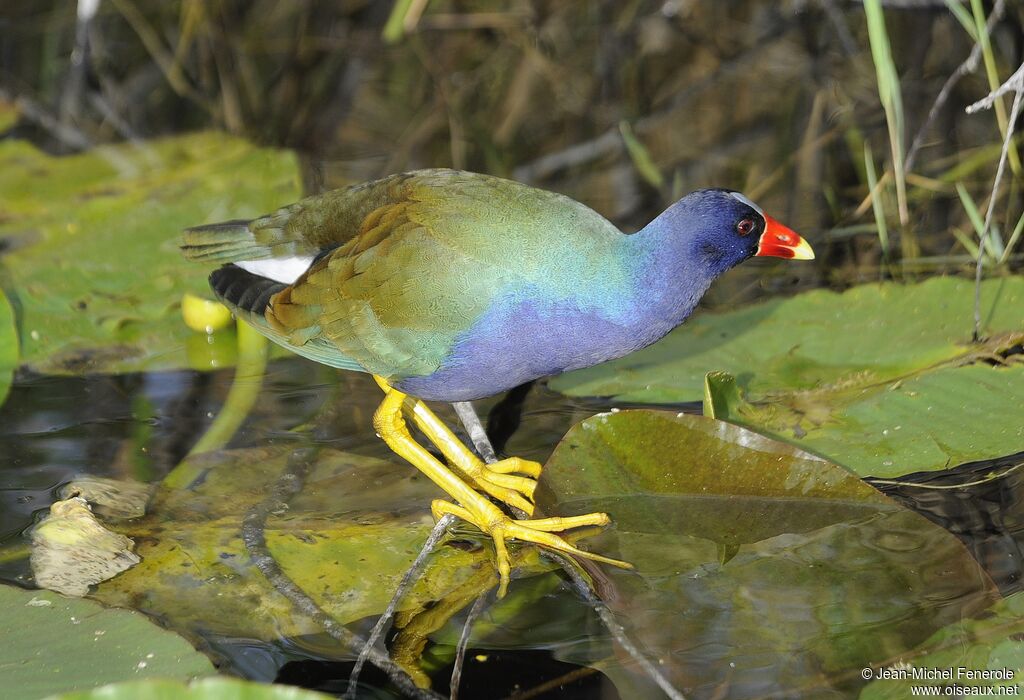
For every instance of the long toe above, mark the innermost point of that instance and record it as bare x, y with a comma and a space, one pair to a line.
511, 481
539, 532
501, 528
516, 465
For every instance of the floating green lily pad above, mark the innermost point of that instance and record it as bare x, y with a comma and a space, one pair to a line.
90, 242
346, 540
820, 339
8, 346
52, 644
991, 644
926, 422
205, 689
759, 568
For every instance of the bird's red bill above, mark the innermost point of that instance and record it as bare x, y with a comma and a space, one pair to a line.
782, 242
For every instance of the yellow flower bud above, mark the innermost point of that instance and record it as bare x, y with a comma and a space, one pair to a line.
204, 315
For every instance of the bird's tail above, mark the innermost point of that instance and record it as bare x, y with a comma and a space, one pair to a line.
227, 241
249, 295
246, 294
233, 241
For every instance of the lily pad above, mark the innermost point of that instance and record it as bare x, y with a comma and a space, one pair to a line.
820, 339
760, 569
930, 421
8, 346
991, 643
90, 243
205, 689
51, 644
346, 540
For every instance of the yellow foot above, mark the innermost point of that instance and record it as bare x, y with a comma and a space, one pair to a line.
512, 481
500, 527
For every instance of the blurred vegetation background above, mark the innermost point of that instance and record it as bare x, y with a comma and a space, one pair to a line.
622, 104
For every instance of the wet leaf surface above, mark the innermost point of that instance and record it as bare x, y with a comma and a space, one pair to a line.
346, 540
52, 644
934, 420
760, 569
90, 243
817, 340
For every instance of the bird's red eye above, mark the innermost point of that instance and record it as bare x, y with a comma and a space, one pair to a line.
745, 226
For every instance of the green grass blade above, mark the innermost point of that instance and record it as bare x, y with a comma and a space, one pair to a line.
971, 208
993, 242
963, 17
641, 157
394, 28
890, 96
1012, 243
967, 242
876, 201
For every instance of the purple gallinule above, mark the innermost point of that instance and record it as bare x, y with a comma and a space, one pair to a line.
453, 286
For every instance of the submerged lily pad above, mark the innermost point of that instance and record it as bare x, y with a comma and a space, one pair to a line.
820, 339
51, 644
760, 569
930, 421
990, 645
346, 540
90, 242
8, 346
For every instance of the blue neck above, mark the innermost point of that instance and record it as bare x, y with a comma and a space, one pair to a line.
671, 268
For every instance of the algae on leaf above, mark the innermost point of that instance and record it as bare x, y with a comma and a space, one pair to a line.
760, 569
346, 539
90, 242
51, 644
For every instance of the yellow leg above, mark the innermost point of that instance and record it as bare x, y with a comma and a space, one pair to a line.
511, 481
472, 506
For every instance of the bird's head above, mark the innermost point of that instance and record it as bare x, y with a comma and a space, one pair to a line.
723, 228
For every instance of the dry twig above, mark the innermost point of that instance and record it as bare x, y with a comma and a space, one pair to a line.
969, 65
1015, 84
287, 485
460, 649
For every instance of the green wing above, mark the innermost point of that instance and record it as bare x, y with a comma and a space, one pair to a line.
429, 259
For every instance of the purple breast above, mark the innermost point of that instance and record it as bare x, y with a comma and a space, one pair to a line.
516, 342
